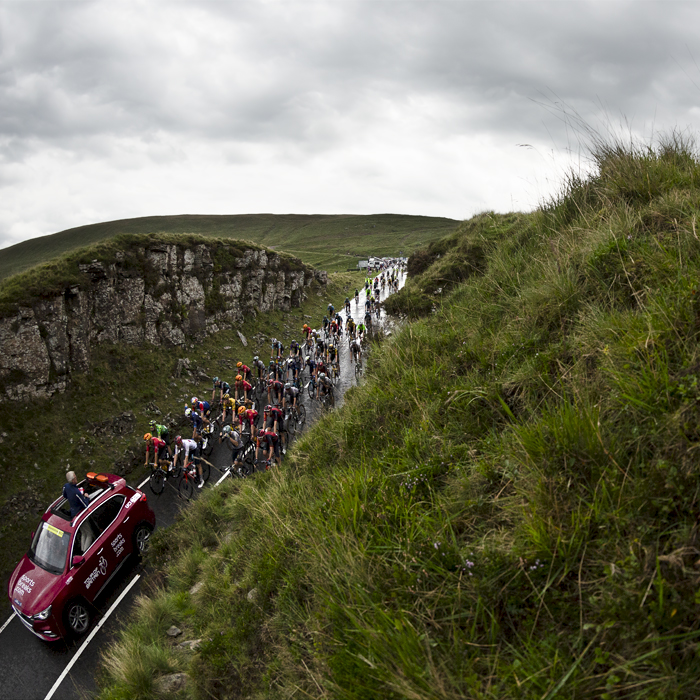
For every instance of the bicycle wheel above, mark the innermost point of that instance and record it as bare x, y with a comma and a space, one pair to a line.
206, 471
157, 481
301, 417
331, 397
208, 444
187, 486
312, 389
291, 424
176, 470
358, 370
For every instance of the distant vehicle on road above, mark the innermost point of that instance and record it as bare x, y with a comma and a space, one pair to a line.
70, 562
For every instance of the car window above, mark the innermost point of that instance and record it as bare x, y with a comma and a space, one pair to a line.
106, 513
49, 548
93, 526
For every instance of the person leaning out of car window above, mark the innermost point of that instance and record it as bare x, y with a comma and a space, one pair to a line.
76, 498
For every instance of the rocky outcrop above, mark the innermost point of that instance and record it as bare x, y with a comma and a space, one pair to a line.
175, 293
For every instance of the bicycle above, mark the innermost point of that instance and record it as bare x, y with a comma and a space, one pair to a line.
208, 434
294, 416
190, 477
358, 369
327, 398
311, 387
157, 479
244, 466
335, 373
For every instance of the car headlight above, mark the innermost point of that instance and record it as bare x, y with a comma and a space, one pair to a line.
43, 614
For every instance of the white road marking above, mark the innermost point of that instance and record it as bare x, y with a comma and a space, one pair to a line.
75, 658
143, 483
9, 619
226, 473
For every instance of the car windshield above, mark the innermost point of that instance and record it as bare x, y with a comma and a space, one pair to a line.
49, 548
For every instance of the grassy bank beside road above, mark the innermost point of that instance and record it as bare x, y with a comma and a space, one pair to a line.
507, 507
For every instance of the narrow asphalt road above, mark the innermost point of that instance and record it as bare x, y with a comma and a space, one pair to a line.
35, 670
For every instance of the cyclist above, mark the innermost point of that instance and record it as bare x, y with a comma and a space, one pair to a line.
277, 348
311, 364
227, 404
274, 390
189, 447
160, 431
259, 365
269, 441
294, 349
361, 330
291, 392
160, 449
274, 421
325, 385
197, 423
333, 357
368, 320
356, 350
350, 327
203, 408
347, 305
223, 388
232, 439
331, 310
250, 416
243, 386
357, 297
246, 371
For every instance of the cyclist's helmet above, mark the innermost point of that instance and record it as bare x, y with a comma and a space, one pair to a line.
147, 437
268, 408
217, 381
239, 364
239, 378
227, 429
306, 325
194, 400
241, 410
152, 424
227, 396
188, 412
322, 375
288, 385
178, 440
256, 358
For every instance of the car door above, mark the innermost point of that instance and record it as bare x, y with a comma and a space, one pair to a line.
93, 541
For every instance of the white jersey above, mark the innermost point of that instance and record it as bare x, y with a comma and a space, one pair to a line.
189, 446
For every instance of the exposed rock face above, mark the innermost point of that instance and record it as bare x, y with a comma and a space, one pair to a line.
180, 292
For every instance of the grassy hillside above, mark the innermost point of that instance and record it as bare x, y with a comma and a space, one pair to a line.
327, 242
507, 507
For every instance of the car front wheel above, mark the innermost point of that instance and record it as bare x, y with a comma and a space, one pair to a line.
142, 537
78, 617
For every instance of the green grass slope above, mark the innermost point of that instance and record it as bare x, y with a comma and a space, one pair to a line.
328, 242
508, 507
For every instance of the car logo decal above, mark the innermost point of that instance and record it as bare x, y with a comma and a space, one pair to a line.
103, 566
18, 602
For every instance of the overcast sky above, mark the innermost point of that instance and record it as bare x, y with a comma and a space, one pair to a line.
111, 110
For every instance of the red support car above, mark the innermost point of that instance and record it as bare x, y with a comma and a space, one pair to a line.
70, 562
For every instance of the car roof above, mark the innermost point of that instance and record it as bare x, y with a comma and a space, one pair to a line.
96, 486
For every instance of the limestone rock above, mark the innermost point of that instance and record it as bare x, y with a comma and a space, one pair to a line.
175, 295
172, 683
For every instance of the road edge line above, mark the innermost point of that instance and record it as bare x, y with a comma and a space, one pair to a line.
9, 619
101, 622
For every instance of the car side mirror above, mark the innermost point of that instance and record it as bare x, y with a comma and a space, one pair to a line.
77, 561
